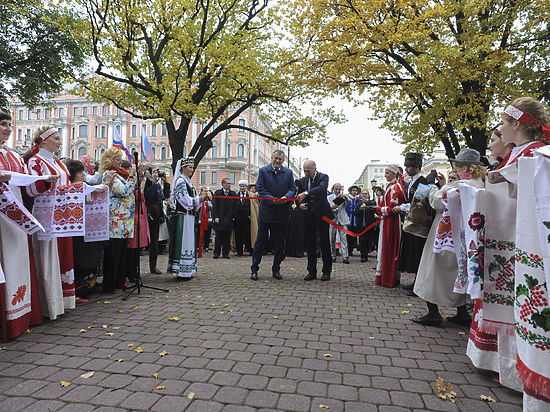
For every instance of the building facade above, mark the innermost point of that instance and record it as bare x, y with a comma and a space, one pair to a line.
437, 161
87, 128
373, 173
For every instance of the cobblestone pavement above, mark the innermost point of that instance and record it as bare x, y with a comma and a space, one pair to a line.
238, 345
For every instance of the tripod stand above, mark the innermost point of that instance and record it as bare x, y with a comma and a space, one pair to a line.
139, 282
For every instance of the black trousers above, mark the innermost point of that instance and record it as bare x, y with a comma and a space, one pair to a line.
270, 236
114, 264
315, 225
154, 226
242, 235
221, 243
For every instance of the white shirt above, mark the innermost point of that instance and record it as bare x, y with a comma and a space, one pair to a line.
405, 207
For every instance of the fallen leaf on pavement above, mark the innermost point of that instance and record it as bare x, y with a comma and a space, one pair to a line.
158, 388
156, 375
130, 345
83, 330
104, 326
174, 318
486, 398
28, 330
191, 395
138, 349
444, 391
245, 299
119, 310
65, 384
324, 406
405, 311
164, 353
275, 317
328, 355
120, 360
115, 328
461, 333
87, 375
107, 302
109, 333
135, 307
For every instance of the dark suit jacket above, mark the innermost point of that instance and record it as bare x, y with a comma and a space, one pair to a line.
273, 185
224, 209
242, 208
316, 198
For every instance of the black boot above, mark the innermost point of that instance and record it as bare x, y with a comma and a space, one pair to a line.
432, 318
462, 317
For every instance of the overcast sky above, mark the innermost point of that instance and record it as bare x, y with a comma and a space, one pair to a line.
351, 146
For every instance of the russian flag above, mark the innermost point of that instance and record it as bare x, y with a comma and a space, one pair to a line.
146, 149
117, 142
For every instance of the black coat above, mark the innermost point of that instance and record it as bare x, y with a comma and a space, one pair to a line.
316, 198
153, 200
242, 208
224, 209
365, 216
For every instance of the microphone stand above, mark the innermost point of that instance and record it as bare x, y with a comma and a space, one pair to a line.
138, 283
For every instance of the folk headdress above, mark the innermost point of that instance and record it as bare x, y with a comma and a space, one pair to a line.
42, 137
522, 117
188, 161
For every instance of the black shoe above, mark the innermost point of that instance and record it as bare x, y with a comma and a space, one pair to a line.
408, 287
346, 261
461, 320
364, 259
216, 256
254, 276
325, 278
277, 275
239, 254
334, 258
411, 293
429, 320
156, 271
310, 277
226, 257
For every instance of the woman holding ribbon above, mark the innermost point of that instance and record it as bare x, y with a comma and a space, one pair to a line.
19, 298
121, 217
390, 229
54, 256
183, 255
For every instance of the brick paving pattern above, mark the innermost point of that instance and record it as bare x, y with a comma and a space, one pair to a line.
239, 346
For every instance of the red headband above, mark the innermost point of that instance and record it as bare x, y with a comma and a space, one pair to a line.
523, 117
42, 137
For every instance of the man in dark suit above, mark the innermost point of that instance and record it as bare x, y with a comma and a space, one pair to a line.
242, 220
312, 196
274, 181
411, 245
223, 212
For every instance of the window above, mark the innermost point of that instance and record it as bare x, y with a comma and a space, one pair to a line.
83, 131
232, 178
72, 133
82, 151
84, 110
28, 135
228, 149
117, 127
60, 112
214, 178
240, 150
194, 128
153, 130
38, 114
104, 110
29, 115
19, 135
94, 110
118, 112
75, 111
103, 132
47, 113
163, 130
154, 150
20, 114
96, 135
102, 151
134, 131
185, 151
163, 153
215, 151
203, 178
242, 123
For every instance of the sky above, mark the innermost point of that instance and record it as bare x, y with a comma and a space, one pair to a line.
351, 145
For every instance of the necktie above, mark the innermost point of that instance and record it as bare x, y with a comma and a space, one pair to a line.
309, 183
242, 195
226, 192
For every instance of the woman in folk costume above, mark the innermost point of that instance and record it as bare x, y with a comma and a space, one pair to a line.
121, 217
390, 229
526, 311
438, 269
19, 299
254, 211
483, 345
54, 257
184, 196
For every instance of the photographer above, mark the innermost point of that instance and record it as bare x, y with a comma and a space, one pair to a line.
154, 196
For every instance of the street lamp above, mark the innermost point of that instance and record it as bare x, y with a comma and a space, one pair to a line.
373, 183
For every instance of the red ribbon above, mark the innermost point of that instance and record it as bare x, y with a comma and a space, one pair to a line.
290, 199
349, 232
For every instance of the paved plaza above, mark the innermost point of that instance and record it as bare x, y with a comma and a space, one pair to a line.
225, 343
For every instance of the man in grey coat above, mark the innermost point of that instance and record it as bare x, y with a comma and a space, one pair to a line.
337, 201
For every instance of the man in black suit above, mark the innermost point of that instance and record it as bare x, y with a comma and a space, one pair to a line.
223, 212
312, 196
411, 245
242, 220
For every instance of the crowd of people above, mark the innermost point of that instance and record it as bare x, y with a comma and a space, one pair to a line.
480, 233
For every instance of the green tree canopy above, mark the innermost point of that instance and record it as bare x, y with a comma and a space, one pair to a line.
208, 59
37, 52
435, 71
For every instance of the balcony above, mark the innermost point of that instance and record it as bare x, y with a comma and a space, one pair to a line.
236, 162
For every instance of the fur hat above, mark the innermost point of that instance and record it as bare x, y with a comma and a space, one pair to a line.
413, 159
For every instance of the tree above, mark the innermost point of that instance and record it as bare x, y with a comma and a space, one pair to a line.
435, 72
37, 54
205, 59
